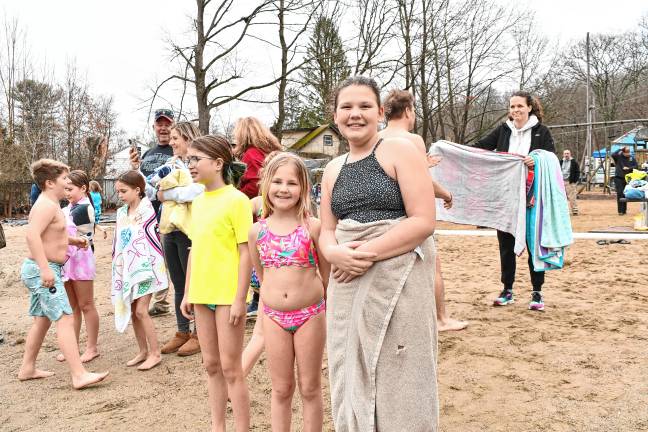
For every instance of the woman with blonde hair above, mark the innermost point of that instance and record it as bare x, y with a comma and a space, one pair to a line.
176, 191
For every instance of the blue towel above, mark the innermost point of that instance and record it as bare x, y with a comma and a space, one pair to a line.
549, 229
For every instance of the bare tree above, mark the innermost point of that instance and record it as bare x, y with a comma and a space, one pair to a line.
290, 34
617, 62
209, 63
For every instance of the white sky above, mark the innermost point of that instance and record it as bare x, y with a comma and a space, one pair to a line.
119, 44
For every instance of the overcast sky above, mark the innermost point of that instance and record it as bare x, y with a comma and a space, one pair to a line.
119, 44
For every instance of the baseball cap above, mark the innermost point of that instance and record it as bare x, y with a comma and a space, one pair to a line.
164, 112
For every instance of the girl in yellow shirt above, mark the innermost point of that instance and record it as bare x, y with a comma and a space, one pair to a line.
218, 276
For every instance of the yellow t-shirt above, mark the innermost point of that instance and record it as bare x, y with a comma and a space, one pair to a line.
220, 222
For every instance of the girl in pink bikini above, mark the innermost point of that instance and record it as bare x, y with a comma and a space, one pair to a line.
284, 249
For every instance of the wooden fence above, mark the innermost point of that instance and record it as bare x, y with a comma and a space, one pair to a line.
14, 197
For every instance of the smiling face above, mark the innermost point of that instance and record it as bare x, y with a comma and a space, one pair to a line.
285, 188
519, 110
178, 143
162, 130
126, 193
74, 193
357, 113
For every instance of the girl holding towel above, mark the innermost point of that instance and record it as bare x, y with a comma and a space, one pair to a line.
218, 276
138, 268
284, 248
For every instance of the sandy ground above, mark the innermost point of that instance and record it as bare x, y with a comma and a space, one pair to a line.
579, 366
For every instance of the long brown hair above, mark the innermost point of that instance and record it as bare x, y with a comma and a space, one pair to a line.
281, 159
133, 179
250, 132
533, 102
218, 147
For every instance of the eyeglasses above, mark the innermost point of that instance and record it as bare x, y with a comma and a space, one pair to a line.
195, 159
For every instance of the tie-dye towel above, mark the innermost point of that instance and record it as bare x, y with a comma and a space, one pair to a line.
549, 227
488, 188
138, 263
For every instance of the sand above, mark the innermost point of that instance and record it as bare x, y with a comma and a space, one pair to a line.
579, 366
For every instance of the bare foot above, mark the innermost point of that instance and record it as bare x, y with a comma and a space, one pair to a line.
451, 324
151, 361
89, 355
139, 358
60, 357
88, 379
33, 374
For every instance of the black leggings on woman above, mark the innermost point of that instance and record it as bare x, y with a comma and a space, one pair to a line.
176, 254
507, 261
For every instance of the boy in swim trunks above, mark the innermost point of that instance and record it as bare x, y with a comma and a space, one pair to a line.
47, 240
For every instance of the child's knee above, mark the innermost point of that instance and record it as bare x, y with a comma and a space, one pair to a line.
212, 366
232, 371
284, 390
139, 313
87, 306
310, 389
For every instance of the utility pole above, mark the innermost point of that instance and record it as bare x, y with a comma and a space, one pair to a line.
588, 140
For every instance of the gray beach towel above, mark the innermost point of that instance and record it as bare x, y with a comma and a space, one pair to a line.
382, 341
488, 188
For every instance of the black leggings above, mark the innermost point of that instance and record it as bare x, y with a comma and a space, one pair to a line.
507, 262
619, 185
176, 254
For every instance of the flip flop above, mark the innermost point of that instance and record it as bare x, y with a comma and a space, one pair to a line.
602, 242
622, 241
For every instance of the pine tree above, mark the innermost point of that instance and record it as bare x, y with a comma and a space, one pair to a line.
328, 66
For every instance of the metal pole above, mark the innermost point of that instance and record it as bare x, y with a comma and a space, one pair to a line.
588, 141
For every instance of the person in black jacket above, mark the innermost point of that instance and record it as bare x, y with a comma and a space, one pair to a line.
623, 164
571, 174
522, 133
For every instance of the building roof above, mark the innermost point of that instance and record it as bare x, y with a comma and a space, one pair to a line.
314, 132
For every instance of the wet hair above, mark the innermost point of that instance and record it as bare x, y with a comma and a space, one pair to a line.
218, 147
250, 132
533, 102
80, 179
47, 169
281, 159
95, 186
133, 179
187, 130
396, 103
357, 80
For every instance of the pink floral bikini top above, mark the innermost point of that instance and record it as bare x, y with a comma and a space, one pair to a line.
294, 249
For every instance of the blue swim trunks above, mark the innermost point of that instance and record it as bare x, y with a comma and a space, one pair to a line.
45, 302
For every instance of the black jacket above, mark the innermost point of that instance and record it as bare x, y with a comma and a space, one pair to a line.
499, 138
621, 162
574, 171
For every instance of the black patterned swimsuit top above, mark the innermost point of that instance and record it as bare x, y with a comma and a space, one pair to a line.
365, 193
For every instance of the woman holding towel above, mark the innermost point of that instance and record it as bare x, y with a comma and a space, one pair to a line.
381, 326
522, 133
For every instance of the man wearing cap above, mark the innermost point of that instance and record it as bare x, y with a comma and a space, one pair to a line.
624, 163
153, 158
571, 174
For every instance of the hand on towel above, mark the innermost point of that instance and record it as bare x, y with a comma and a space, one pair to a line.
346, 258
529, 162
433, 160
341, 276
